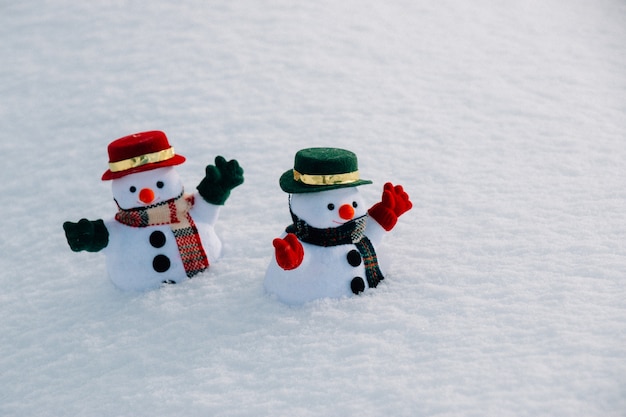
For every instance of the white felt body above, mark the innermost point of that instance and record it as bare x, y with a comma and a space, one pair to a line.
129, 253
324, 271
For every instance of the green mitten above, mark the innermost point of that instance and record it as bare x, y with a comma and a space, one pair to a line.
219, 180
88, 235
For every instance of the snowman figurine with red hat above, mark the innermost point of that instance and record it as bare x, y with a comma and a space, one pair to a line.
160, 234
331, 248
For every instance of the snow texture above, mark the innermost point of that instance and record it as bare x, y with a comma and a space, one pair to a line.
505, 122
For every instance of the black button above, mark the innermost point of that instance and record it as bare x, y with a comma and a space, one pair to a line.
357, 285
354, 257
161, 263
157, 239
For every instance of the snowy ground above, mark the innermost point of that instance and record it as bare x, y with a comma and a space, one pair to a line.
505, 121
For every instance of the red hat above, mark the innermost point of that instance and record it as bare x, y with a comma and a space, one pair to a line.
140, 152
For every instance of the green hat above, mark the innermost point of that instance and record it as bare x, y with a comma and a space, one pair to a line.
321, 169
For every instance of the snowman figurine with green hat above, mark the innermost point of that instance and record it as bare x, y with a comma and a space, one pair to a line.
330, 248
159, 234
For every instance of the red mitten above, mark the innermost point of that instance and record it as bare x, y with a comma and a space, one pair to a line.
395, 202
289, 252
401, 198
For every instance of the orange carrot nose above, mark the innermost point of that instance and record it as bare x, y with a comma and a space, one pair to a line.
146, 195
346, 212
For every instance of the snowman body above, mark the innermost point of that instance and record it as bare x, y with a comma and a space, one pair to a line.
141, 258
325, 271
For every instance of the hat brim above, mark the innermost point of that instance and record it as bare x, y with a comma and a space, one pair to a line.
175, 160
291, 186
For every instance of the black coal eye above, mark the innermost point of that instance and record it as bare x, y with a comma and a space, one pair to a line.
331, 206
355, 204
132, 189
160, 184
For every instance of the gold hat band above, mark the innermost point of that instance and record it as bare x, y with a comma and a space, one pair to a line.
331, 179
140, 160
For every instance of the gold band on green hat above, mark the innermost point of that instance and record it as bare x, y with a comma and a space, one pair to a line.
140, 160
331, 179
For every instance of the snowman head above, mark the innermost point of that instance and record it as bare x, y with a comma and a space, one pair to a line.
328, 209
143, 189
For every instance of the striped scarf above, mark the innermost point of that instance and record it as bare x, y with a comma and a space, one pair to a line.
352, 232
175, 213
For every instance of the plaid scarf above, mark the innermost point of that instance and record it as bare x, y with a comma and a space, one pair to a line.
352, 232
175, 213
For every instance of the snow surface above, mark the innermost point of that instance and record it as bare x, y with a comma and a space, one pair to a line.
505, 121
